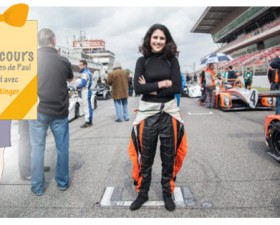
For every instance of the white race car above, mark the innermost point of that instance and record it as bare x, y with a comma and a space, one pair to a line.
192, 90
76, 103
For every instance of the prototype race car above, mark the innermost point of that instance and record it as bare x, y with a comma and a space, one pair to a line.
232, 95
192, 90
272, 135
76, 108
102, 91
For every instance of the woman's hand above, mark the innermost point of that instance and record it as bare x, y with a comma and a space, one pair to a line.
168, 83
165, 84
142, 80
153, 93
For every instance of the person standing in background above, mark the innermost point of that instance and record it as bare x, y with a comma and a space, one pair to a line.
274, 79
231, 75
85, 86
178, 95
24, 151
130, 86
5, 141
225, 73
248, 78
119, 80
202, 98
210, 86
53, 73
195, 78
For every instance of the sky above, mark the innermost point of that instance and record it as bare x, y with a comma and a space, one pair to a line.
122, 24
123, 28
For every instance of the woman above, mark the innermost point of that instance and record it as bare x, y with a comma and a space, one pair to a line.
5, 141
157, 77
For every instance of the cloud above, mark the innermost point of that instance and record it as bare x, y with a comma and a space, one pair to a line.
123, 28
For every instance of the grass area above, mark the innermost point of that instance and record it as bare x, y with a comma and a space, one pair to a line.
261, 89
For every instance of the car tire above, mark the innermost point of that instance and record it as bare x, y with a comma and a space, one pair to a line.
106, 96
109, 95
219, 103
77, 110
187, 93
274, 138
93, 102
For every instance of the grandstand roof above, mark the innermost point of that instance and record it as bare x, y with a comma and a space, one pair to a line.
225, 24
211, 18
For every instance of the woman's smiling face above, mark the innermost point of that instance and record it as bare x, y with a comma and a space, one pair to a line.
158, 41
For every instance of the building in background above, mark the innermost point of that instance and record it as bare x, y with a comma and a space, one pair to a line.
94, 51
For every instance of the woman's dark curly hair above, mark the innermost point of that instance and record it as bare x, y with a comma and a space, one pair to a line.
170, 48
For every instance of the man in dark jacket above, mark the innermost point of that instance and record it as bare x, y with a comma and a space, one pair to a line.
274, 79
53, 73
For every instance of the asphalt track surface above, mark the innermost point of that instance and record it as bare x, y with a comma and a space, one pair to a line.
226, 173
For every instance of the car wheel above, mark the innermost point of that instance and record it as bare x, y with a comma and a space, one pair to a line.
274, 138
95, 103
77, 110
219, 103
107, 96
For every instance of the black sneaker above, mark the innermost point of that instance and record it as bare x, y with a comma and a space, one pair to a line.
168, 201
86, 124
140, 200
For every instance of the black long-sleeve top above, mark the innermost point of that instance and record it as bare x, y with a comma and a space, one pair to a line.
157, 68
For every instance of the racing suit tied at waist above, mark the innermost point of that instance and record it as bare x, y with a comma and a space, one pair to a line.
147, 109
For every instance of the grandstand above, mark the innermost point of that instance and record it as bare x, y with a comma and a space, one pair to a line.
251, 35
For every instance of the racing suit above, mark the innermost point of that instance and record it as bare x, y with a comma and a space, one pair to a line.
158, 117
85, 86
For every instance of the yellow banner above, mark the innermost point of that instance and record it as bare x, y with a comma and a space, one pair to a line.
18, 71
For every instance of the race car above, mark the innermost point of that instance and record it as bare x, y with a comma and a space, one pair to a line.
76, 104
232, 95
192, 90
102, 91
272, 135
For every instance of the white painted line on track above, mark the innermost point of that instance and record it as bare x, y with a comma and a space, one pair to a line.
198, 113
178, 197
106, 199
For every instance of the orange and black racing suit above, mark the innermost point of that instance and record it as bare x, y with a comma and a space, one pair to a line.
157, 117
